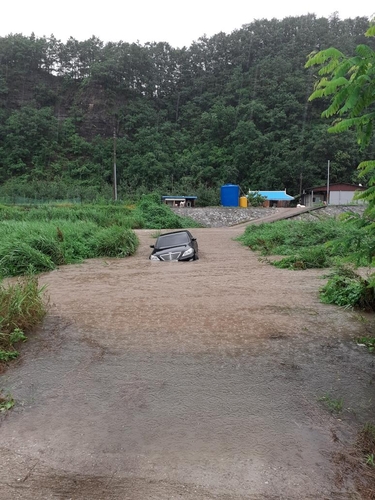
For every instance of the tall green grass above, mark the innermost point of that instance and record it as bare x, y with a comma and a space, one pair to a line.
22, 307
151, 214
284, 237
309, 244
42, 238
341, 243
102, 215
42, 246
115, 242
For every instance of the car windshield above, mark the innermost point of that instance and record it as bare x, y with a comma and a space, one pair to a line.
171, 240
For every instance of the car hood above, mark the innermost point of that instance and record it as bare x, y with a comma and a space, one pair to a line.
179, 248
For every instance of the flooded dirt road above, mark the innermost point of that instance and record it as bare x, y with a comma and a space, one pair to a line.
188, 381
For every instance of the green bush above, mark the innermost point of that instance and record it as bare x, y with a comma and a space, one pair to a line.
358, 241
318, 243
265, 238
254, 199
306, 258
152, 214
283, 237
346, 288
208, 197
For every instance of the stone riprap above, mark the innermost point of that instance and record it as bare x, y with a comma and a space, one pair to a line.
331, 211
230, 216
224, 216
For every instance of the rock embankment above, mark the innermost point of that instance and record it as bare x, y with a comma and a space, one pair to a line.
331, 211
230, 216
224, 216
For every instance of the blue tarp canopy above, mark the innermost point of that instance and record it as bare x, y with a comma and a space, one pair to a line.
274, 195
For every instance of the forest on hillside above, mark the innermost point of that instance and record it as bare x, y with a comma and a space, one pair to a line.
232, 108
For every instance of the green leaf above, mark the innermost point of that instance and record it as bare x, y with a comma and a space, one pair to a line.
322, 56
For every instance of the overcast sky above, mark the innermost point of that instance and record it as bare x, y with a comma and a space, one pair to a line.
173, 21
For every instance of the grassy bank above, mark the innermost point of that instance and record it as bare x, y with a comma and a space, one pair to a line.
149, 213
37, 246
342, 243
22, 307
37, 239
305, 244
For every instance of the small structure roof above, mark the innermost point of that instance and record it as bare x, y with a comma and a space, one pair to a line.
179, 198
274, 195
337, 184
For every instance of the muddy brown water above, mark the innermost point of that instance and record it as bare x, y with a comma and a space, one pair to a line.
195, 380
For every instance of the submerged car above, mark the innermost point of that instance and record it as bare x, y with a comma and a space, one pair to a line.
179, 246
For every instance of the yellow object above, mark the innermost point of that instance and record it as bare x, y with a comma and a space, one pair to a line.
243, 202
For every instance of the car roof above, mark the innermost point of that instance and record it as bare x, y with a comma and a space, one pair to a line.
175, 232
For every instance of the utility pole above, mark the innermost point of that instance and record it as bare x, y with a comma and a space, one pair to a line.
328, 182
114, 166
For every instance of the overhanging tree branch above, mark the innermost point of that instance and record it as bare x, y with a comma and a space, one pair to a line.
349, 82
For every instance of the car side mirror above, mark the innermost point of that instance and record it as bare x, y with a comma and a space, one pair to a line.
193, 239
152, 246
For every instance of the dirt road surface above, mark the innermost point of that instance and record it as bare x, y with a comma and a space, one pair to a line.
191, 381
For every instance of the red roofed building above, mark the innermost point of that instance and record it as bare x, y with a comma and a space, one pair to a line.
338, 194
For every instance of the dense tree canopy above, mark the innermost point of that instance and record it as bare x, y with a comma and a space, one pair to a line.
349, 83
230, 108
